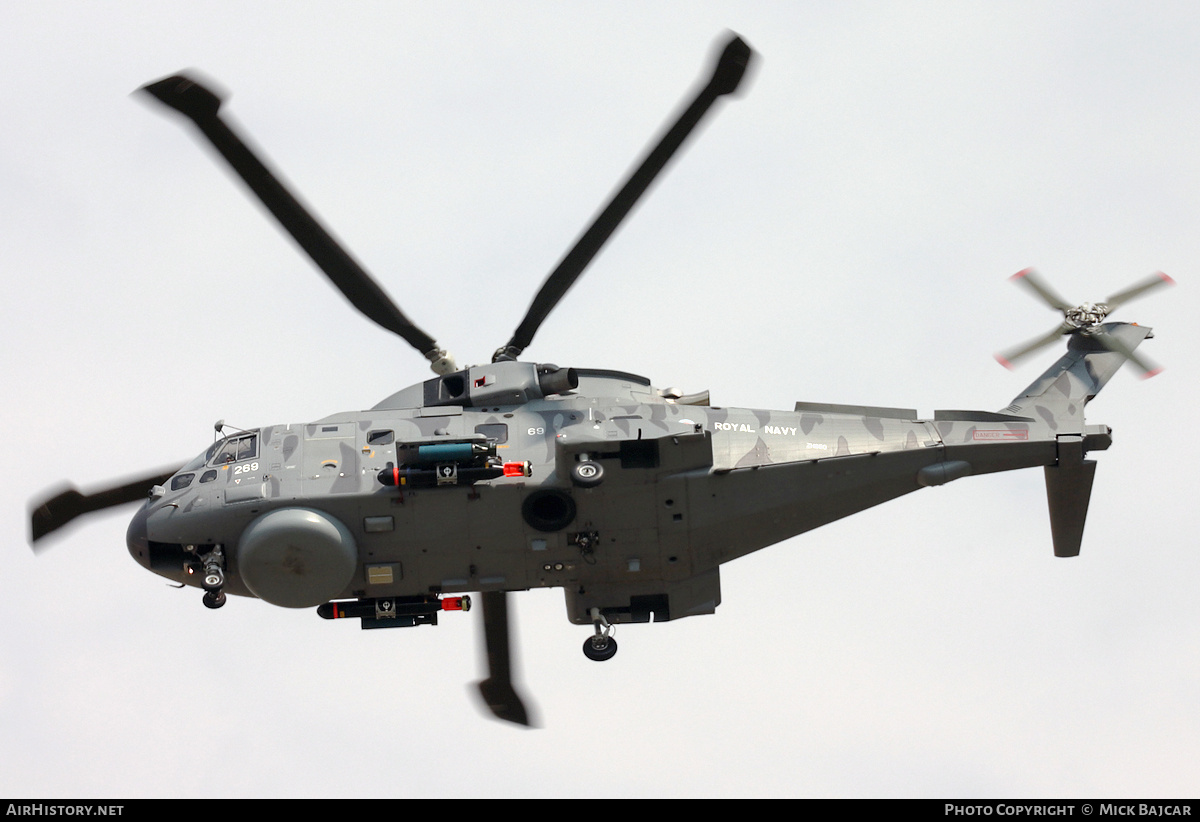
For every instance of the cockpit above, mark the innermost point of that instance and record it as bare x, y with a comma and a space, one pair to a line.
243, 446
233, 449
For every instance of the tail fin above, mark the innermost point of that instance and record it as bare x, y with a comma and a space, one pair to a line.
1058, 396
1057, 399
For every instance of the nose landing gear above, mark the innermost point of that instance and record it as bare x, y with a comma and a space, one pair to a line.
214, 575
601, 646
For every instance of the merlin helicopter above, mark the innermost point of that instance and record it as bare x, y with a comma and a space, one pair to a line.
512, 475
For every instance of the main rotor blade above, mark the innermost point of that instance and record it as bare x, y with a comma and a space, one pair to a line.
497, 690
1031, 280
1010, 357
728, 73
51, 514
200, 105
1137, 289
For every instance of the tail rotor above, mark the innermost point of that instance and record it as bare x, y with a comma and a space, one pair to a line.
1084, 319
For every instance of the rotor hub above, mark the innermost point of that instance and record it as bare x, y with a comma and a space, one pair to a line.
1087, 315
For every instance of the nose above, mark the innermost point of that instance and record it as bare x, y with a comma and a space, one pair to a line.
136, 537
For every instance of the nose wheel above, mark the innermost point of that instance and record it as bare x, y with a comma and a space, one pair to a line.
601, 646
214, 577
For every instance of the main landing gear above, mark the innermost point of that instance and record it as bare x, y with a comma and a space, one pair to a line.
601, 646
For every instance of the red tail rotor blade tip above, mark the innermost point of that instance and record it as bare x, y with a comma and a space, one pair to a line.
1021, 273
1166, 279
1003, 362
1151, 373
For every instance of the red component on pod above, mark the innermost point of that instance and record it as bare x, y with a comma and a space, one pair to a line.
518, 469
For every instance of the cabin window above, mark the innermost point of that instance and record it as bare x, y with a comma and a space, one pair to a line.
497, 432
639, 454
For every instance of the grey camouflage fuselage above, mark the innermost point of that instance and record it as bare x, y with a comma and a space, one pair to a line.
683, 488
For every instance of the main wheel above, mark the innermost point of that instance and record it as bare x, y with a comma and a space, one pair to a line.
587, 474
213, 599
599, 648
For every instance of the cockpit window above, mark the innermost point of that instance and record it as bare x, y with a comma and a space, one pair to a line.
234, 449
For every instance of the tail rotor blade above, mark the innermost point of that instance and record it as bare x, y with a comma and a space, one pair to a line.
201, 106
1032, 281
497, 690
53, 513
1110, 342
728, 73
1138, 289
1010, 357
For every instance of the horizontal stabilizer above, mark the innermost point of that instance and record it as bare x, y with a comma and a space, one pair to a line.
1068, 491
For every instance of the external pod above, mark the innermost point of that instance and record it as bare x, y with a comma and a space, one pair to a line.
297, 557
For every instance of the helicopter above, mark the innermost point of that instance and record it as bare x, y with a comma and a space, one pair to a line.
511, 475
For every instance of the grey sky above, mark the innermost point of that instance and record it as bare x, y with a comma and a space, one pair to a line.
840, 233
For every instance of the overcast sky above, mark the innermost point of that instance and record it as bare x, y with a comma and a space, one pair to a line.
842, 232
